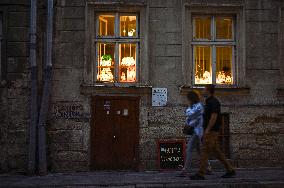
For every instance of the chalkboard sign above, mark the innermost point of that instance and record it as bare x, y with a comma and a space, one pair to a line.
171, 154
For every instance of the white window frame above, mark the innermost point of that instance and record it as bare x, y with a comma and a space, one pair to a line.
238, 11
116, 39
213, 43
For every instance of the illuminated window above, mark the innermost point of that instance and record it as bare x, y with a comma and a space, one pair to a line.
128, 26
203, 64
213, 50
106, 25
117, 42
224, 64
202, 29
106, 62
224, 27
127, 62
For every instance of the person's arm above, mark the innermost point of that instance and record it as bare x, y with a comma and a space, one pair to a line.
211, 122
192, 123
193, 112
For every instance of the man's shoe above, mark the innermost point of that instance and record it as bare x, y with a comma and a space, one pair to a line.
197, 177
230, 174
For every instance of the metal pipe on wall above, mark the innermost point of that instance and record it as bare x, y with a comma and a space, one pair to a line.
34, 93
46, 92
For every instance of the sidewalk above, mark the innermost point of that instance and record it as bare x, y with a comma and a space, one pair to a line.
246, 178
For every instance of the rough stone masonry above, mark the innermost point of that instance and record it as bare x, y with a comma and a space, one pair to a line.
255, 107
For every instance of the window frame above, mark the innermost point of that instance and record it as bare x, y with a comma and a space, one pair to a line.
238, 12
92, 8
213, 44
116, 39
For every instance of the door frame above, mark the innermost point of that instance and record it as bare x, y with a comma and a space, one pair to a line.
92, 122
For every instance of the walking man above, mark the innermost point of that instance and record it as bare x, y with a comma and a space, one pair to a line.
212, 123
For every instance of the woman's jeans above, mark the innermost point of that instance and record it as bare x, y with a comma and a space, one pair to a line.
193, 142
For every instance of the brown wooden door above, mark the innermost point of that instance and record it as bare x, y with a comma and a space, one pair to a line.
115, 133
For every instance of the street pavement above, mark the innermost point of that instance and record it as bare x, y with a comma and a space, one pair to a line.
245, 178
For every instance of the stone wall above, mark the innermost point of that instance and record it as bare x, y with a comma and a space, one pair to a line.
256, 134
256, 118
68, 137
14, 86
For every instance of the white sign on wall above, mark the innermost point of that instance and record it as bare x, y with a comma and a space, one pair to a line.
159, 96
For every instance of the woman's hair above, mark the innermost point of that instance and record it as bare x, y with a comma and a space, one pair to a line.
193, 96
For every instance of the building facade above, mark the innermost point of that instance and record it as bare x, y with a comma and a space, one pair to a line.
110, 57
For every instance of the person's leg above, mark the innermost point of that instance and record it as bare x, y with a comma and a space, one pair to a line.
198, 148
205, 150
189, 147
191, 142
219, 154
209, 168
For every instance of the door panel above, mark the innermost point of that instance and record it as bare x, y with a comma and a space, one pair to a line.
103, 135
127, 133
115, 133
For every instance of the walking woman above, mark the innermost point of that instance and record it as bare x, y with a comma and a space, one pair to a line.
194, 122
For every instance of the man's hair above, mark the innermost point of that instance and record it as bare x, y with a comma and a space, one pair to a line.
210, 88
193, 96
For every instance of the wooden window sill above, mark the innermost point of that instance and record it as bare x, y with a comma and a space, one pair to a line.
102, 89
219, 91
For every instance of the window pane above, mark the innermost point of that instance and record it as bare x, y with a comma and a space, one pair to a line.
203, 68
106, 62
127, 62
106, 25
128, 26
224, 65
224, 28
202, 28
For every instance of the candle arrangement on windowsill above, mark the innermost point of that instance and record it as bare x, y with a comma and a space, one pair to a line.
105, 65
222, 78
128, 69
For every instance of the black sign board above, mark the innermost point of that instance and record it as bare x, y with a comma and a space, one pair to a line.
171, 154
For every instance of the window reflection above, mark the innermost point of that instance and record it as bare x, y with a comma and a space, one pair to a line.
127, 62
128, 26
106, 25
106, 62
202, 28
203, 68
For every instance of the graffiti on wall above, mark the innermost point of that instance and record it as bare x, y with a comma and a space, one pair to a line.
67, 110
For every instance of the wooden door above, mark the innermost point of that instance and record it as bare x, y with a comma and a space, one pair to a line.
115, 133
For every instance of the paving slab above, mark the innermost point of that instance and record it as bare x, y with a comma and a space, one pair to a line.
245, 178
